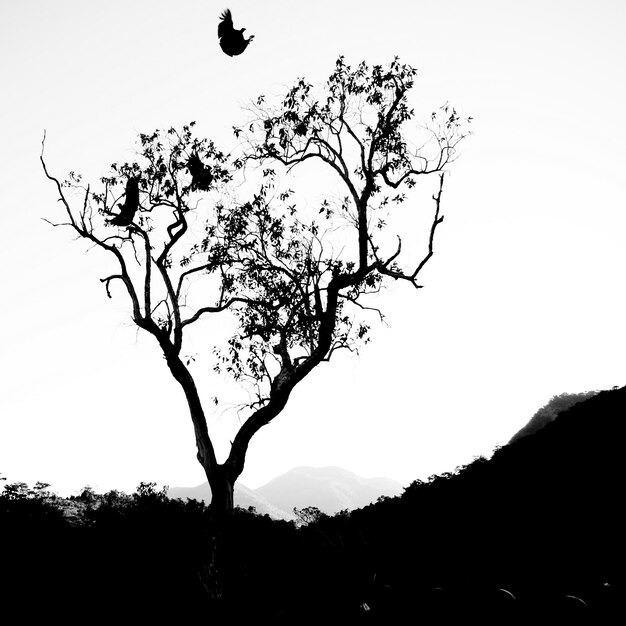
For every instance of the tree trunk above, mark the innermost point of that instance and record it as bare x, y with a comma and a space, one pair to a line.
222, 494
221, 477
220, 514
220, 480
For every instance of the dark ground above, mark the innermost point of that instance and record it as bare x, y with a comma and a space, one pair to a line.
535, 534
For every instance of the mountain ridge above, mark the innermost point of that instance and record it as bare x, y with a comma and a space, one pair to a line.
329, 488
556, 406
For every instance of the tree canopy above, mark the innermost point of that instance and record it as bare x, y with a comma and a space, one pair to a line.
226, 234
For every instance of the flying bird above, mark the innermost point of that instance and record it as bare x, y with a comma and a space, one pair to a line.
130, 206
232, 41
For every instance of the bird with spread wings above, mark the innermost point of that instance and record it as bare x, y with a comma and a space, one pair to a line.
232, 41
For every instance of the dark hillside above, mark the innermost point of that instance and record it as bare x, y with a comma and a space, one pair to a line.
550, 411
535, 534
544, 516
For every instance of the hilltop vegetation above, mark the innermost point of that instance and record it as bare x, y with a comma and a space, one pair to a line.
541, 521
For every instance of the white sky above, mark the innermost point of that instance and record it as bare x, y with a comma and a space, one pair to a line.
523, 299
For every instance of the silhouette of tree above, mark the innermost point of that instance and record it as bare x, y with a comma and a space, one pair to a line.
307, 515
299, 282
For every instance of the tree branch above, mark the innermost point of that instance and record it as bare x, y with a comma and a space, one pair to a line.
87, 234
436, 221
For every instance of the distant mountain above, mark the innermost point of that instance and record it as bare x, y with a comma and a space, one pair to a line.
244, 497
550, 411
330, 489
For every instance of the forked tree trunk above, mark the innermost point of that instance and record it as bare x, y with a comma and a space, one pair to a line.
221, 481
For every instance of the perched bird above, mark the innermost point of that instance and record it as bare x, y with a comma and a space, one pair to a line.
232, 41
130, 206
201, 175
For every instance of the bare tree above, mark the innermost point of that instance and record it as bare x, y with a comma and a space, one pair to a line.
299, 279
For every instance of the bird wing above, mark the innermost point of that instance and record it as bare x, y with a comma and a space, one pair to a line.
225, 27
130, 206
